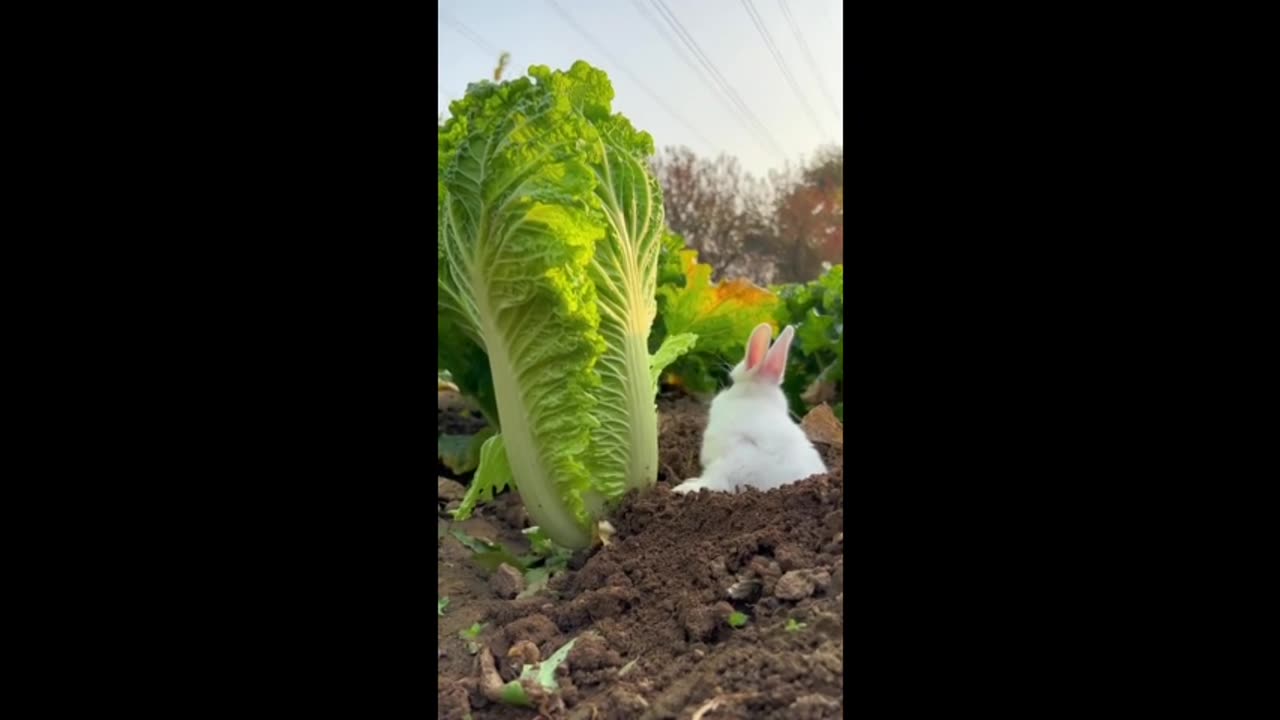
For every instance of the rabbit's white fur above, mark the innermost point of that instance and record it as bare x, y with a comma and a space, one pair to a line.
750, 439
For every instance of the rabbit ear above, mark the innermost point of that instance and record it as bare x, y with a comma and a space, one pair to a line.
775, 363
757, 345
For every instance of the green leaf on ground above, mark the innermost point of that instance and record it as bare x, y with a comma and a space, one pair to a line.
543, 673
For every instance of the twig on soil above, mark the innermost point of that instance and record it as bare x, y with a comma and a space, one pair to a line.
716, 702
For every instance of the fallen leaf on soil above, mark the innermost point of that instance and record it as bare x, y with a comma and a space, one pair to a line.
535, 687
821, 425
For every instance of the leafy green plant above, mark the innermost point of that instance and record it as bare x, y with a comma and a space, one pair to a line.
548, 241
718, 317
737, 619
794, 626
441, 604
815, 370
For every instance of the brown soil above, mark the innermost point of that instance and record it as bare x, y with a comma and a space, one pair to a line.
651, 610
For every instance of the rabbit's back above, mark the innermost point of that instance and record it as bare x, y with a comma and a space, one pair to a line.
752, 442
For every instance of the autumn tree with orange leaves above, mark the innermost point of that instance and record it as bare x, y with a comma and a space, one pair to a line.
775, 231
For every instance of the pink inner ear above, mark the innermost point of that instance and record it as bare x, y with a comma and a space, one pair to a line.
758, 344
775, 362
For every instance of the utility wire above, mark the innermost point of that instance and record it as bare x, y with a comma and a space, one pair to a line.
666, 36
782, 65
692, 45
634, 78
808, 56
469, 34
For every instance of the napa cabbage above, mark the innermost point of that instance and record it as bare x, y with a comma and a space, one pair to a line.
549, 229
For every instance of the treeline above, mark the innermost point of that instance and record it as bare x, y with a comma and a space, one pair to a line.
781, 229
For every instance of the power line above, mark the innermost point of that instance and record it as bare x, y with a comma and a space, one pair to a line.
697, 52
744, 113
782, 64
808, 56
634, 78
665, 34
469, 34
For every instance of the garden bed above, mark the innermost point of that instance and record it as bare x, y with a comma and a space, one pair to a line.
651, 611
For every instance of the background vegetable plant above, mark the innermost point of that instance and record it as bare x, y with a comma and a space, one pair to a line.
815, 367
720, 316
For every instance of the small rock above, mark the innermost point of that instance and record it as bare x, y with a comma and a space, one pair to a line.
447, 489
794, 585
506, 582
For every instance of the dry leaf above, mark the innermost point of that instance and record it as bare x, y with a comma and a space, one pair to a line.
821, 425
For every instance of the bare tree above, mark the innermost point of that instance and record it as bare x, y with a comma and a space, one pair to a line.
721, 211
780, 230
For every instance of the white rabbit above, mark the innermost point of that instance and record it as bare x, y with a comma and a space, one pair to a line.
751, 440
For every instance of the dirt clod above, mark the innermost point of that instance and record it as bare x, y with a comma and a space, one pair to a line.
524, 653
701, 623
455, 703
649, 612
794, 585
506, 582
592, 652
537, 629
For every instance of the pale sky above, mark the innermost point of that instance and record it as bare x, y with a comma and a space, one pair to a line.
535, 34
